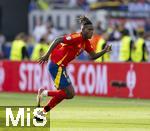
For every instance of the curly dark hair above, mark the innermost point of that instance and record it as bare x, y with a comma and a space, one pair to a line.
83, 20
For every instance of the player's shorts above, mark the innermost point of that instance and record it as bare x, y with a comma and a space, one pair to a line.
59, 75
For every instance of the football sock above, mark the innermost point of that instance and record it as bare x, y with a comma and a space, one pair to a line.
50, 93
61, 95
54, 93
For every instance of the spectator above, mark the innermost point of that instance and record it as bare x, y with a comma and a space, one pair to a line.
39, 30
140, 51
115, 35
39, 49
125, 47
98, 28
100, 46
18, 49
51, 32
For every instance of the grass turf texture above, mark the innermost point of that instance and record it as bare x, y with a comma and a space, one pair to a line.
88, 113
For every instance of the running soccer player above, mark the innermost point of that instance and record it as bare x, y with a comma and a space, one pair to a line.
61, 52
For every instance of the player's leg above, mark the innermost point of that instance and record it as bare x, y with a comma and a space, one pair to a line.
43, 92
70, 92
63, 85
61, 80
67, 93
39, 96
54, 70
65, 90
59, 96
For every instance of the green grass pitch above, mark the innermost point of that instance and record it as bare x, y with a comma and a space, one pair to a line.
87, 113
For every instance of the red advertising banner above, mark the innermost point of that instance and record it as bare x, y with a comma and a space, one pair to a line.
88, 78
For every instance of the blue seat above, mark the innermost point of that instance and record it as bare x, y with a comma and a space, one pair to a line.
6, 48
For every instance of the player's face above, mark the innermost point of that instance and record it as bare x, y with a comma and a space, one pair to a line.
88, 31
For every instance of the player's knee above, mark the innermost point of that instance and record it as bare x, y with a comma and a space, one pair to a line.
70, 96
70, 92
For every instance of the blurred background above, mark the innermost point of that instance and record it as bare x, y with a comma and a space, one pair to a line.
27, 28
41, 21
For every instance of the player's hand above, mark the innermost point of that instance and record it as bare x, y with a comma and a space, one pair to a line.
108, 48
43, 59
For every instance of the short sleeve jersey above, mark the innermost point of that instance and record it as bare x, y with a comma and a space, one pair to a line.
71, 47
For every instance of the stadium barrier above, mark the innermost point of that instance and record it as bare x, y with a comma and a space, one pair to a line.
88, 78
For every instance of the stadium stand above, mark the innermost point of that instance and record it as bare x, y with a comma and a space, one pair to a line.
114, 28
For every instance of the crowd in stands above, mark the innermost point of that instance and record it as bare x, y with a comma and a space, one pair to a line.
44, 33
140, 6
37, 43
84, 4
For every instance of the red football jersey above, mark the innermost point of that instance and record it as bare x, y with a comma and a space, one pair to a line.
71, 47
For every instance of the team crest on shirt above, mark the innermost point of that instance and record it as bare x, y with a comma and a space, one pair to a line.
68, 37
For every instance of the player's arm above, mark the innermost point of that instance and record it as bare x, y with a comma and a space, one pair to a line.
94, 55
45, 57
